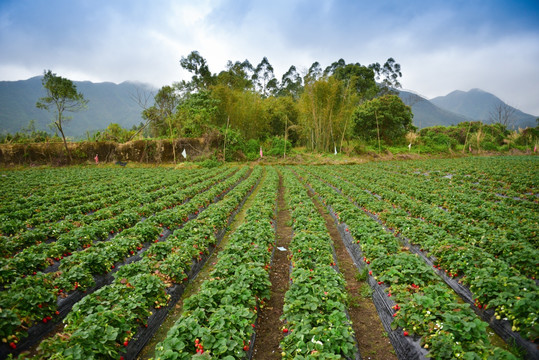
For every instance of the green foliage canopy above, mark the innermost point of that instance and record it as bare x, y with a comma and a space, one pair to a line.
386, 115
61, 96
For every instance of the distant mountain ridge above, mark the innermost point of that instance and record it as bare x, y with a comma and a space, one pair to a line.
107, 103
458, 106
478, 104
427, 114
113, 103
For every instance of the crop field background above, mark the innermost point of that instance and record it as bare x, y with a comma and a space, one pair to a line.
95, 258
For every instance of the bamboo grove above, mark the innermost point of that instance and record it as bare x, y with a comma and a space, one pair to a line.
318, 108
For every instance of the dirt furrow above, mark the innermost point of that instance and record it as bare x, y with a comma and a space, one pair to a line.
373, 341
268, 330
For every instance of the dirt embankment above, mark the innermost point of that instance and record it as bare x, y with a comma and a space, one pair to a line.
143, 151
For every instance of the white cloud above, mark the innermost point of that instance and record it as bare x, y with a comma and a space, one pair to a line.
441, 46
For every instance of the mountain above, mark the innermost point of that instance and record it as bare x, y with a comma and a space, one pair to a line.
427, 114
478, 105
107, 103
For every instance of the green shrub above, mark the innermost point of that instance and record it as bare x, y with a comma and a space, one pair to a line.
210, 163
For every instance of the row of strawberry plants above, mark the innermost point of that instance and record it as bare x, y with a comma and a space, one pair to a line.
465, 206
38, 257
34, 298
457, 192
424, 306
519, 255
110, 206
118, 307
509, 176
495, 285
73, 200
315, 303
219, 320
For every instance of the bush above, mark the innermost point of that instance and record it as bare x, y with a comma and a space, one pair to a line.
210, 163
489, 146
277, 146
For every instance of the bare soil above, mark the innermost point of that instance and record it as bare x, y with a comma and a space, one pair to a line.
372, 339
268, 330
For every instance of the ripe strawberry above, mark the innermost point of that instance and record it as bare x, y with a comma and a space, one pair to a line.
12, 345
126, 343
405, 333
246, 348
285, 330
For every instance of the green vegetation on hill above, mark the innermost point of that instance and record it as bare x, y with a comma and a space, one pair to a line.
246, 111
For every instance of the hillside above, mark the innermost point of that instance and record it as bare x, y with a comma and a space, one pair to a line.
108, 103
478, 104
427, 114
113, 103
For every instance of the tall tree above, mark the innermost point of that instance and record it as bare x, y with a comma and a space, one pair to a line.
62, 96
197, 65
237, 76
291, 83
196, 114
388, 74
313, 74
360, 78
502, 114
264, 78
160, 115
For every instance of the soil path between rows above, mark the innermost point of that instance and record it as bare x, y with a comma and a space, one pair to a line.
268, 330
372, 340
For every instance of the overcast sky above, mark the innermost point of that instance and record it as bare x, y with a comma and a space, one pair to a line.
441, 45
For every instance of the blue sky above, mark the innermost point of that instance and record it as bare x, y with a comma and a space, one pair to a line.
441, 45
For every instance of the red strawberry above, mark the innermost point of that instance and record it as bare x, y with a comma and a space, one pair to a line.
12, 345
285, 330
405, 333
126, 343
246, 348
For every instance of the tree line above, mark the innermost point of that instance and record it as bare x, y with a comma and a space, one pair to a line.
245, 105
322, 109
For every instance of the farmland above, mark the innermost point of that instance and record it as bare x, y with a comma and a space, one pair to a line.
93, 259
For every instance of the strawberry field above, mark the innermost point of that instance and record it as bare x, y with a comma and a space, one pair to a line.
93, 259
